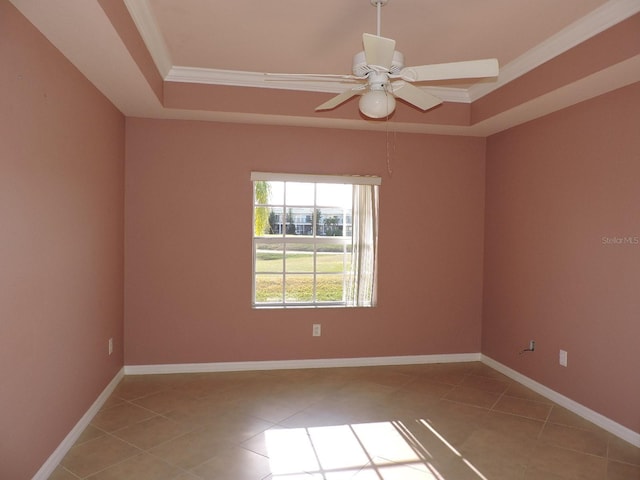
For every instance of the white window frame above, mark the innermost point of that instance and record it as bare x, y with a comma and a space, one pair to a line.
343, 240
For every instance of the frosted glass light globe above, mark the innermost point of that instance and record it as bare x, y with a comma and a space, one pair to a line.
377, 104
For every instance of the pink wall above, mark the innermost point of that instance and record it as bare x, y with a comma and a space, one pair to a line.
555, 187
188, 244
61, 252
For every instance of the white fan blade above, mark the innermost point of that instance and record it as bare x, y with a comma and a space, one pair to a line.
310, 76
378, 51
446, 71
414, 95
343, 97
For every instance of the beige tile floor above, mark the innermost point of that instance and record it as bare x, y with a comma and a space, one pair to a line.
422, 422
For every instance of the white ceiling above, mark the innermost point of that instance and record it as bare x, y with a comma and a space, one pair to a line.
234, 42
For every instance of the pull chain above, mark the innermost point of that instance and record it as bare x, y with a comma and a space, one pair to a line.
391, 151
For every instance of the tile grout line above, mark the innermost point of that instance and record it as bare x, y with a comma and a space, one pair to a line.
498, 400
141, 451
318, 400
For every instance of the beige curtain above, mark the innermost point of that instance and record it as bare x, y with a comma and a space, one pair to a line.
362, 277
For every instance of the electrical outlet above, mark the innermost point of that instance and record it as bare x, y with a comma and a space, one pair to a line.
563, 358
317, 330
532, 345
110, 346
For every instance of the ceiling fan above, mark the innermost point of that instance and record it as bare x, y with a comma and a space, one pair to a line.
382, 76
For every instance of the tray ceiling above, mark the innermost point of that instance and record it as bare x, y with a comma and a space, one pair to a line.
203, 59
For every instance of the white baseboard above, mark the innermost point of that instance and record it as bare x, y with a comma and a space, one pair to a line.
594, 417
294, 364
607, 424
56, 457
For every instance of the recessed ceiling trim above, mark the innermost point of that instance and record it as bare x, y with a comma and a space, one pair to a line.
142, 16
590, 25
449, 94
94, 47
317, 122
602, 18
617, 76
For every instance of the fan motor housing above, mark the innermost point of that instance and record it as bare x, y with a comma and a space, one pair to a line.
361, 69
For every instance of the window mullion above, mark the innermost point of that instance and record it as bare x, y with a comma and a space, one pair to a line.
284, 272
284, 244
320, 266
315, 245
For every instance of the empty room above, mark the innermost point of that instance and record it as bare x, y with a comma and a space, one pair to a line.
347, 239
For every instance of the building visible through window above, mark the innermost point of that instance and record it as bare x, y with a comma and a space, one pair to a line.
314, 240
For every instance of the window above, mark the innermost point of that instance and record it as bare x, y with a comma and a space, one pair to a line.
314, 240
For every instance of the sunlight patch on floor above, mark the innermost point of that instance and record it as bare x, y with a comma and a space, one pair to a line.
365, 451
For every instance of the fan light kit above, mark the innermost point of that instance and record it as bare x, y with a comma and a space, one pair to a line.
380, 63
377, 102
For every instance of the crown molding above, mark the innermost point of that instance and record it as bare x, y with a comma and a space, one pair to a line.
142, 16
617, 76
602, 18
